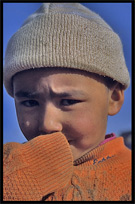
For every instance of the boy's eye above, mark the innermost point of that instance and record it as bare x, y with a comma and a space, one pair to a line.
30, 103
68, 102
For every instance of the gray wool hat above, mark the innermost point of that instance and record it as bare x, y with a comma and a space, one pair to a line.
65, 35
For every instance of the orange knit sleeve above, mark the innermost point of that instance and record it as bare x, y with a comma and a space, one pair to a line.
37, 168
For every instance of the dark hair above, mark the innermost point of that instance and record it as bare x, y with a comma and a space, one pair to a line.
110, 83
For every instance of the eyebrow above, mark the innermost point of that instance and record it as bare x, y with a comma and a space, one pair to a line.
27, 94
68, 93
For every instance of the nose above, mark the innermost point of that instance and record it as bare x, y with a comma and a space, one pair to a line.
50, 120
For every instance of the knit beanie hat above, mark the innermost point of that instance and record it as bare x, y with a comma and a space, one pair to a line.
65, 35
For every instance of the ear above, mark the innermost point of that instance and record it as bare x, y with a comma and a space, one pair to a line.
116, 99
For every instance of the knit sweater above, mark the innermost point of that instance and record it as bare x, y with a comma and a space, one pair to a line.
43, 170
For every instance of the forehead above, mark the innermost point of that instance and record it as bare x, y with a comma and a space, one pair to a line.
56, 78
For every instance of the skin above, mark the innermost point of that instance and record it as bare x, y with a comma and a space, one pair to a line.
65, 100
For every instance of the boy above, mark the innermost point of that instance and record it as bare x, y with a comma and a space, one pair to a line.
66, 71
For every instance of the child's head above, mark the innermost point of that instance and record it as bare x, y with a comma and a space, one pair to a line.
66, 71
70, 101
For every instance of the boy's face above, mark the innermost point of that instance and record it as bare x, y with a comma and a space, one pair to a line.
53, 100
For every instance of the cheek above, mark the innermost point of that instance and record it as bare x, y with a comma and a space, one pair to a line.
83, 133
27, 123
28, 126
82, 124
87, 126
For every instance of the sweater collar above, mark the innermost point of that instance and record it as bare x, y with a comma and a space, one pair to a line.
106, 148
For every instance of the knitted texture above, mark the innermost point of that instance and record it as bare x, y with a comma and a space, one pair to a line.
43, 170
65, 35
36, 168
